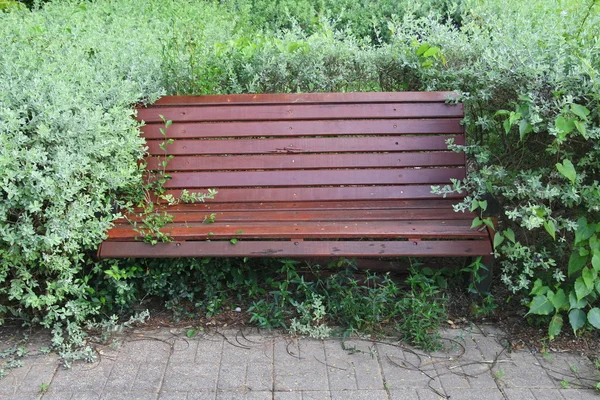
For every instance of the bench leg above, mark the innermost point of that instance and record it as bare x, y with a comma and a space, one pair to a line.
482, 276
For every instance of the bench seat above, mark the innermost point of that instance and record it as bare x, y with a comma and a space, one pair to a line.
303, 175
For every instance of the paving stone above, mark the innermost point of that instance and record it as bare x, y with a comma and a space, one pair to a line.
57, 396
518, 394
184, 350
14, 379
341, 373
399, 372
137, 395
246, 368
287, 396
359, 395
201, 396
21, 397
38, 375
546, 394
579, 394
297, 366
82, 377
144, 350
122, 377
172, 396
451, 378
191, 377
244, 395
475, 394
316, 395
403, 394
149, 377
209, 349
479, 376
523, 372
88, 395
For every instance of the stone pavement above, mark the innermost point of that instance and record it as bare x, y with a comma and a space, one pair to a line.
164, 364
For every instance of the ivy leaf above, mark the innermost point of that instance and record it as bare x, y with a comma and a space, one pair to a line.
524, 128
498, 239
576, 262
476, 222
550, 228
510, 235
581, 128
594, 317
233, 241
564, 125
558, 300
596, 262
422, 49
432, 51
574, 303
581, 111
589, 277
555, 326
567, 170
577, 319
581, 289
540, 305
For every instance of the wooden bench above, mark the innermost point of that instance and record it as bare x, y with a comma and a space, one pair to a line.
305, 175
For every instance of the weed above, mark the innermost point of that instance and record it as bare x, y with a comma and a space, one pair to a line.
499, 374
564, 384
44, 388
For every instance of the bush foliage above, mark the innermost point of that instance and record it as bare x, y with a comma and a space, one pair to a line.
71, 71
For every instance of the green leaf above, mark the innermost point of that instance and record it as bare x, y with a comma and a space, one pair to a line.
524, 128
559, 300
498, 239
489, 223
581, 289
476, 222
555, 326
422, 49
581, 128
596, 262
506, 125
567, 170
540, 305
539, 287
577, 319
233, 241
576, 262
589, 277
510, 235
432, 51
550, 228
483, 205
581, 111
564, 125
593, 317
168, 123
574, 303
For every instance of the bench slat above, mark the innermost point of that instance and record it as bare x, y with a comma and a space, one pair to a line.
462, 248
300, 145
259, 112
311, 215
360, 97
408, 205
405, 176
252, 195
191, 130
308, 161
311, 230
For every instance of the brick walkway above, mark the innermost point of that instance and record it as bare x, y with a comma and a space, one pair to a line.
166, 365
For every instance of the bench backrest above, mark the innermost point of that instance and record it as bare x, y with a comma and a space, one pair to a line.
308, 147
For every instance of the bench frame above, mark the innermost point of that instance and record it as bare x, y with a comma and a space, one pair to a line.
308, 175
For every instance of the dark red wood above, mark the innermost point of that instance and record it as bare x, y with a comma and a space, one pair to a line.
312, 145
405, 176
356, 97
457, 248
260, 112
302, 169
192, 130
261, 215
261, 195
308, 161
408, 205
